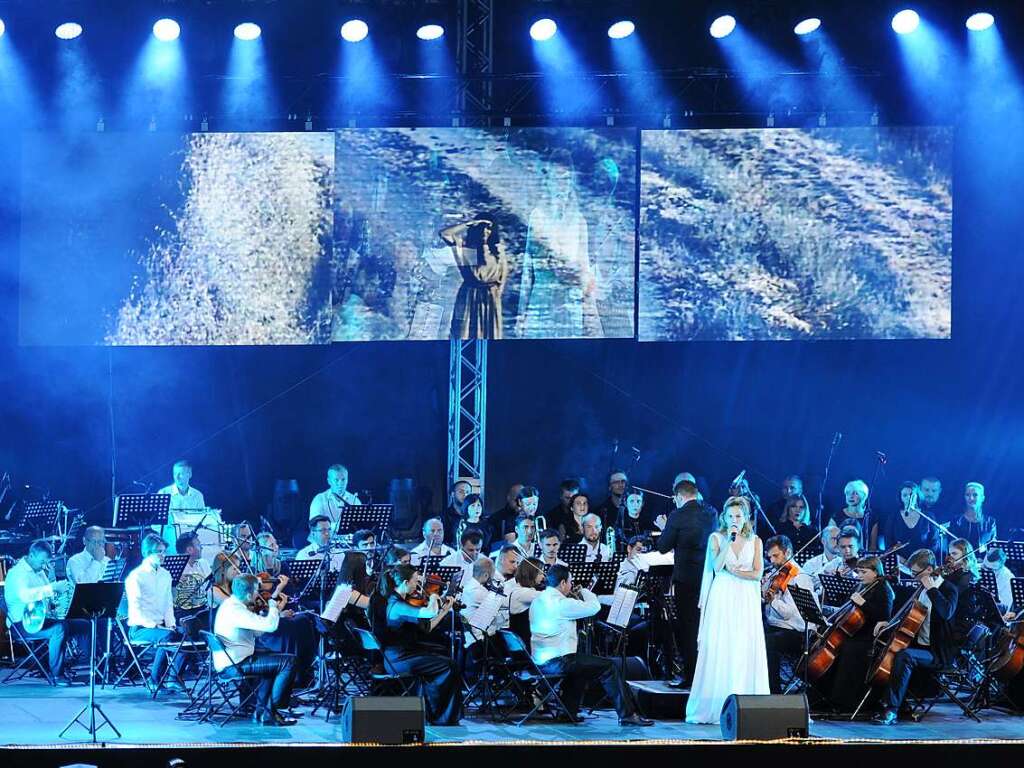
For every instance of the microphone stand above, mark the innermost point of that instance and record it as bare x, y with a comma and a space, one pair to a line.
824, 478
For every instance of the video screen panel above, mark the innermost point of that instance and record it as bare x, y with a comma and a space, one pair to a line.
206, 238
831, 233
480, 233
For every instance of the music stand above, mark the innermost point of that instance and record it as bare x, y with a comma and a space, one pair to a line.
810, 612
988, 583
175, 565
607, 572
890, 561
837, 588
139, 510
450, 574
301, 571
810, 553
1017, 590
39, 515
94, 602
430, 564
374, 517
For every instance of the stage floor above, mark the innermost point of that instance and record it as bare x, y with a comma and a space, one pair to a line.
33, 714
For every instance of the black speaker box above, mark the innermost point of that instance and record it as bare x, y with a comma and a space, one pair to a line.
383, 720
764, 717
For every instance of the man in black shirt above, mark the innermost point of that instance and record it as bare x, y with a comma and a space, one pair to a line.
686, 533
503, 522
453, 514
559, 514
610, 509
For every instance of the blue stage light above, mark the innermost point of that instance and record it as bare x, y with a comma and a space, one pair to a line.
621, 29
905, 22
722, 27
979, 22
807, 26
543, 29
354, 30
430, 32
166, 30
69, 30
248, 31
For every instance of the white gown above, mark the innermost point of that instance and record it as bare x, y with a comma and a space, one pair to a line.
731, 656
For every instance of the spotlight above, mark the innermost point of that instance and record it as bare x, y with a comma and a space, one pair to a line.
166, 30
430, 32
722, 26
354, 30
621, 29
979, 22
807, 26
248, 31
544, 29
69, 30
3, 28
905, 22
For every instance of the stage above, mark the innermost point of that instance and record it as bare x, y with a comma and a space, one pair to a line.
33, 715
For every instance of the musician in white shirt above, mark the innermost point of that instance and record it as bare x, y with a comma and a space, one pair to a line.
506, 564
184, 498
238, 626
634, 564
151, 609
433, 542
553, 616
27, 583
550, 544
995, 561
331, 502
596, 550
87, 566
784, 635
474, 593
469, 552
526, 537
829, 560
320, 529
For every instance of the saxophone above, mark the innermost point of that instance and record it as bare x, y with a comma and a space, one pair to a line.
609, 539
460, 529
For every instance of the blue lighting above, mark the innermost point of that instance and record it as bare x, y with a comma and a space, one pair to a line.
3, 27
430, 32
722, 27
621, 29
544, 29
979, 22
248, 31
807, 26
905, 22
69, 30
354, 30
166, 30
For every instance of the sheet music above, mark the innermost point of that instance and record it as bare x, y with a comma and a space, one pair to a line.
337, 603
622, 607
484, 615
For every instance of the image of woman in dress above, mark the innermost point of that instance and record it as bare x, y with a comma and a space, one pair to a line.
557, 288
731, 653
480, 257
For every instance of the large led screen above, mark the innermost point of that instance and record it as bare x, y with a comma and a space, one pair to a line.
831, 233
516, 233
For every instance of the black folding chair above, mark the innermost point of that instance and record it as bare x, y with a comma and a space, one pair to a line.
527, 679
231, 682
389, 679
34, 649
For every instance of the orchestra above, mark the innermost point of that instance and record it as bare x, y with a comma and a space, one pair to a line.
858, 655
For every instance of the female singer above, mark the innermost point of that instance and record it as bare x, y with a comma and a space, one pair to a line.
909, 527
403, 629
856, 513
843, 684
731, 653
797, 523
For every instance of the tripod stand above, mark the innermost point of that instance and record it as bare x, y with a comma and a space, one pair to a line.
94, 602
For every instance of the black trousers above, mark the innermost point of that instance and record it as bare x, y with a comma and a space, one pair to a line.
580, 669
442, 684
687, 593
903, 666
780, 642
295, 635
160, 655
277, 675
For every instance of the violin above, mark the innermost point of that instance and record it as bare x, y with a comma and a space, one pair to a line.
269, 591
432, 584
780, 581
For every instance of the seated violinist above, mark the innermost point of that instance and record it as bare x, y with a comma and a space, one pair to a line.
934, 646
843, 682
225, 569
403, 630
995, 561
240, 626
784, 635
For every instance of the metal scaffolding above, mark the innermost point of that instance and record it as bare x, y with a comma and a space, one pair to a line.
467, 411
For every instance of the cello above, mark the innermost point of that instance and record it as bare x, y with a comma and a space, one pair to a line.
1009, 658
845, 622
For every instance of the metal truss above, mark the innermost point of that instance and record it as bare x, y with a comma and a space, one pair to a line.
467, 411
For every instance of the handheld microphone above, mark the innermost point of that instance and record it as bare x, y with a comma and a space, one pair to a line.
732, 535
738, 479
